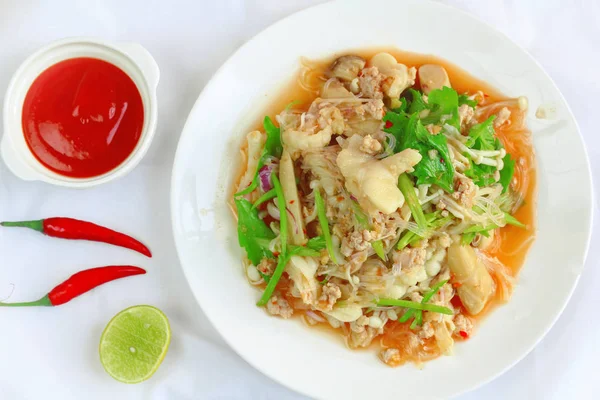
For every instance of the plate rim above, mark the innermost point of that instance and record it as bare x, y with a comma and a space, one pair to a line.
589, 181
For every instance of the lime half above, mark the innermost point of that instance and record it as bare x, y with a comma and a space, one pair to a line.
134, 343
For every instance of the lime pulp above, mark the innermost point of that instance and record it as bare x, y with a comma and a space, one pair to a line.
134, 343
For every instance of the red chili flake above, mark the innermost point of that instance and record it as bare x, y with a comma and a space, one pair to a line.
276, 254
442, 160
456, 284
292, 201
388, 124
464, 334
340, 198
486, 95
456, 302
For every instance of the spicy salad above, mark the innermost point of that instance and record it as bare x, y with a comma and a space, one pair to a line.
387, 207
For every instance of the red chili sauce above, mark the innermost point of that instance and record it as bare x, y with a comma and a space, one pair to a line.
82, 117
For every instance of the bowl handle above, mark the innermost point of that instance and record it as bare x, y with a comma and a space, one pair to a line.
144, 59
15, 163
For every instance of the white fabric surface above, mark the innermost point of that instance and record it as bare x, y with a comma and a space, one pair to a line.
52, 353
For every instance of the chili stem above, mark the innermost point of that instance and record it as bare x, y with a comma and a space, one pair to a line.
44, 301
37, 225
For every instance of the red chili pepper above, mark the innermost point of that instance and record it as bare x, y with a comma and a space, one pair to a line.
388, 124
69, 228
464, 334
80, 283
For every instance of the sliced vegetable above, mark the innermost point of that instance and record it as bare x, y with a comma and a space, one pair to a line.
265, 277
379, 250
273, 145
264, 177
360, 216
283, 220
265, 197
408, 190
467, 238
253, 234
475, 286
273, 148
292, 104
480, 229
321, 213
418, 313
304, 251
409, 237
293, 206
282, 261
434, 220
510, 220
414, 305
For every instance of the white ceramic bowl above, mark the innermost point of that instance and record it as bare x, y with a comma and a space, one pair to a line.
309, 361
132, 58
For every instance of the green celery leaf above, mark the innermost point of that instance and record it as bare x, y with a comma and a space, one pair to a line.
437, 170
253, 234
482, 175
399, 105
417, 104
316, 243
443, 103
464, 99
482, 136
395, 124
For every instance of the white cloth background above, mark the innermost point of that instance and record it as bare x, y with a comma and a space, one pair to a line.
52, 353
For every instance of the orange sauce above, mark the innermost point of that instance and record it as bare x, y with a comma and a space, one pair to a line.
510, 245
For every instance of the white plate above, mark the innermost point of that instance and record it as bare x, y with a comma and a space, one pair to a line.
317, 364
